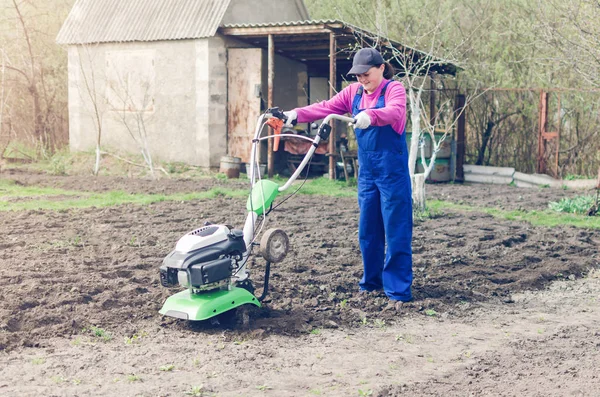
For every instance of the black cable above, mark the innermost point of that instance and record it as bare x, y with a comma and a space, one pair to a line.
295, 191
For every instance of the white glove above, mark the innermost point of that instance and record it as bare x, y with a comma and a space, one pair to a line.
363, 120
291, 117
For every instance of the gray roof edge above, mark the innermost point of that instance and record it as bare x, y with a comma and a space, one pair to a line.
89, 22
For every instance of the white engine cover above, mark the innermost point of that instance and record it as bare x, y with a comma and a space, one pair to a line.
203, 237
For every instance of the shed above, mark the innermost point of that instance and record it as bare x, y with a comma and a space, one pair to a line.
187, 79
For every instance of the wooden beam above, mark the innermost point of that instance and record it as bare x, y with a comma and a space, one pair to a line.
276, 30
332, 85
461, 144
432, 92
543, 116
271, 78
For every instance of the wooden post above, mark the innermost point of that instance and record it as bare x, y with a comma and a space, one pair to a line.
332, 85
557, 146
271, 78
432, 91
598, 184
543, 116
460, 137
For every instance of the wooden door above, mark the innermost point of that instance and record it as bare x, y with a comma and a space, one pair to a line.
244, 67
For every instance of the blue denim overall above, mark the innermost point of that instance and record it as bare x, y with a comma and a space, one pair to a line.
385, 202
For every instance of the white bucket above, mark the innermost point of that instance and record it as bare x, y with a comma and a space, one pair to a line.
262, 170
230, 166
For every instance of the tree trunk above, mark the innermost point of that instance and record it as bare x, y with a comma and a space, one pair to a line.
418, 186
415, 117
98, 155
484, 143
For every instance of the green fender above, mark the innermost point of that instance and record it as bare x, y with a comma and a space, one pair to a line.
202, 306
263, 192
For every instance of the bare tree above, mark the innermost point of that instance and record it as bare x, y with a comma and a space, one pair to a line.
571, 28
4, 138
134, 111
38, 100
418, 67
91, 90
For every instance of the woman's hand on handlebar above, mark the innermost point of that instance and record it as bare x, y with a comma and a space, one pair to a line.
292, 118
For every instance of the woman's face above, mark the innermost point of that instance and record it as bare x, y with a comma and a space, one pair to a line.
371, 79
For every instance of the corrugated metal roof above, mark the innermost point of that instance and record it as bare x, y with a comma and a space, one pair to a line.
102, 21
281, 24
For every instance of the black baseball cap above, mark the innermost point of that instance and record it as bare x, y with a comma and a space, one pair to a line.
365, 59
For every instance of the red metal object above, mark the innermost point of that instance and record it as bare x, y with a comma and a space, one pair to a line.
544, 136
277, 125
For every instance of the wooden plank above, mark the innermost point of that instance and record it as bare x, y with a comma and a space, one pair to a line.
460, 110
332, 85
243, 106
271, 79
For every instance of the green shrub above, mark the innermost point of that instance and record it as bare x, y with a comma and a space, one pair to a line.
575, 205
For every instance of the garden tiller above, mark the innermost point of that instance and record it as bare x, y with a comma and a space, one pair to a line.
210, 262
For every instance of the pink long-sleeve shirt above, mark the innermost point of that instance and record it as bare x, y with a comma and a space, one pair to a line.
393, 113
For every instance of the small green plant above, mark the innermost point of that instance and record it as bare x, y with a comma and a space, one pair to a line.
135, 338
133, 378
315, 331
571, 177
58, 164
576, 205
38, 361
379, 323
315, 392
196, 391
263, 387
100, 333
343, 304
363, 393
363, 320
76, 381
404, 338
167, 368
430, 312
58, 379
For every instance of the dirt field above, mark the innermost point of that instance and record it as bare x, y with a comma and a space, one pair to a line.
501, 307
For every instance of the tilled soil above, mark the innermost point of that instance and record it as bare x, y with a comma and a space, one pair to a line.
67, 271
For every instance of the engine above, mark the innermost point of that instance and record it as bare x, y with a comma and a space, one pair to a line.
204, 259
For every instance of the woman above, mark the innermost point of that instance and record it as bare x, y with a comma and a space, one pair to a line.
384, 187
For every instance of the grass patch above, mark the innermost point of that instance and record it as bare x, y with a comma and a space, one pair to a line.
45, 198
57, 199
9, 188
546, 218
326, 187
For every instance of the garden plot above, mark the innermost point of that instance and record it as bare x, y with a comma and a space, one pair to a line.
80, 295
